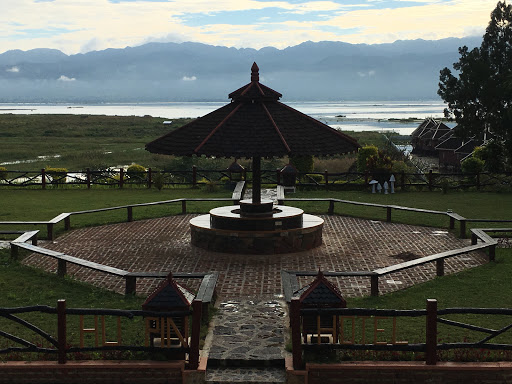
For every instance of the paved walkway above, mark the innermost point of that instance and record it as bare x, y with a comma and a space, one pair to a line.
349, 244
246, 342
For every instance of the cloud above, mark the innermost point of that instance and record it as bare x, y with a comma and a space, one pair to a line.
80, 26
66, 79
13, 69
186, 78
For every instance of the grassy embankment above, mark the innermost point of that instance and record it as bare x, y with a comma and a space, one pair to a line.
98, 142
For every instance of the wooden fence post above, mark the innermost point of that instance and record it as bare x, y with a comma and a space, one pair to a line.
61, 268
278, 176
130, 214
492, 252
296, 337
331, 207
14, 251
150, 178
431, 333
374, 285
121, 177
440, 267
462, 233
194, 176
130, 285
43, 179
49, 229
388, 214
88, 173
326, 176
183, 207
197, 307
61, 330
67, 223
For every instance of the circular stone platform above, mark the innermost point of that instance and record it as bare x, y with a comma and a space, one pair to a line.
225, 229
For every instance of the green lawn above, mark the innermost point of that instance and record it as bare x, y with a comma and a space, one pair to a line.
486, 286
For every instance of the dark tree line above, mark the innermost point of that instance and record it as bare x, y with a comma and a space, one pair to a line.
480, 98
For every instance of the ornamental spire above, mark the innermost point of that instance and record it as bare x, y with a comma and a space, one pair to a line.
255, 72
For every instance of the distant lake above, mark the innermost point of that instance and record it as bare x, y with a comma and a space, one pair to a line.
344, 115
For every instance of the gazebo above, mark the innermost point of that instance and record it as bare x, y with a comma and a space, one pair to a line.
254, 125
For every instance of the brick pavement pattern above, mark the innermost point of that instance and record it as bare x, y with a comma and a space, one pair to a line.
349, 244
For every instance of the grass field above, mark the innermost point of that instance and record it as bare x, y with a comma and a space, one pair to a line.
486, 286
77, 142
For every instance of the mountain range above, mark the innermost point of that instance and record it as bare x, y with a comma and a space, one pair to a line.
155, 72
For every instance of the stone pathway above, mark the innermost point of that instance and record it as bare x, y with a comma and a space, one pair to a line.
246, 342
268, 194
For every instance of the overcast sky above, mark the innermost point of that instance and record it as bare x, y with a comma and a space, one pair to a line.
74, 26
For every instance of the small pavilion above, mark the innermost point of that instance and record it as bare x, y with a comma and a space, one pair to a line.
254, 125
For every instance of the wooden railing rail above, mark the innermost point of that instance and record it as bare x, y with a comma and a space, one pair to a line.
430, 346
60, 343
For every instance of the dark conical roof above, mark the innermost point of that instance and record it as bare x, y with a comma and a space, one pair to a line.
168, 295
320, 292
255, 123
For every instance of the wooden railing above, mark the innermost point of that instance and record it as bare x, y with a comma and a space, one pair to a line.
334, 338
59, 345
477, 234
194, 177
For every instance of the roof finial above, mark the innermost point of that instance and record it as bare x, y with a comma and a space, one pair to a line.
255, 72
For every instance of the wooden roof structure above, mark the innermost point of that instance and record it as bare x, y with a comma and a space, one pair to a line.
254, 124
321, 292
169, 295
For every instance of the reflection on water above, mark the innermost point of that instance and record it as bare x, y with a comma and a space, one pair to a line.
346, 115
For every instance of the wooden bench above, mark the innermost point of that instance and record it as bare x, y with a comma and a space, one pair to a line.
438, 258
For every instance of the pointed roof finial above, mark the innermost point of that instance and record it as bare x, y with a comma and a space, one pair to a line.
255, 72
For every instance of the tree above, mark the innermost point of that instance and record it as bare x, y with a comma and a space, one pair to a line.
480, 98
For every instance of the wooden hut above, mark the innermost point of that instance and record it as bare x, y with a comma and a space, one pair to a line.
168, 332
321, 293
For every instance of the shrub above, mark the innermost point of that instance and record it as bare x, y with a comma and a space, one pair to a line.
58, 175
472, 165
136, 171
158, 180
304, 164
364, 154
316, 177
3, 173
210, 186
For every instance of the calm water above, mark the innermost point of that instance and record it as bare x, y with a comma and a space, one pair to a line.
347, 116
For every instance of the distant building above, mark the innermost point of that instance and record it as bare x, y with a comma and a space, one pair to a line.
434, 138
453, 150
427, 136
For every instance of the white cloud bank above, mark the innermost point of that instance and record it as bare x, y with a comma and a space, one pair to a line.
80, 26
187, 78
13, 70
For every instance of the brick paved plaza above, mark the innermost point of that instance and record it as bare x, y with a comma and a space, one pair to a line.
349, 244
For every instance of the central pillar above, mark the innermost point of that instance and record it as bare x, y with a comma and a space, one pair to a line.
256, 180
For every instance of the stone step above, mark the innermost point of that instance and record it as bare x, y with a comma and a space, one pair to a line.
246, 375
245, 363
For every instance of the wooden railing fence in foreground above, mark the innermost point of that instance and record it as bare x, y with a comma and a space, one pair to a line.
119, 178
336, 341
186, 346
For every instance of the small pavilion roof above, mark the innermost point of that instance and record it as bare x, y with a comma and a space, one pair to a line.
320, 292
254, 124
168, 295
